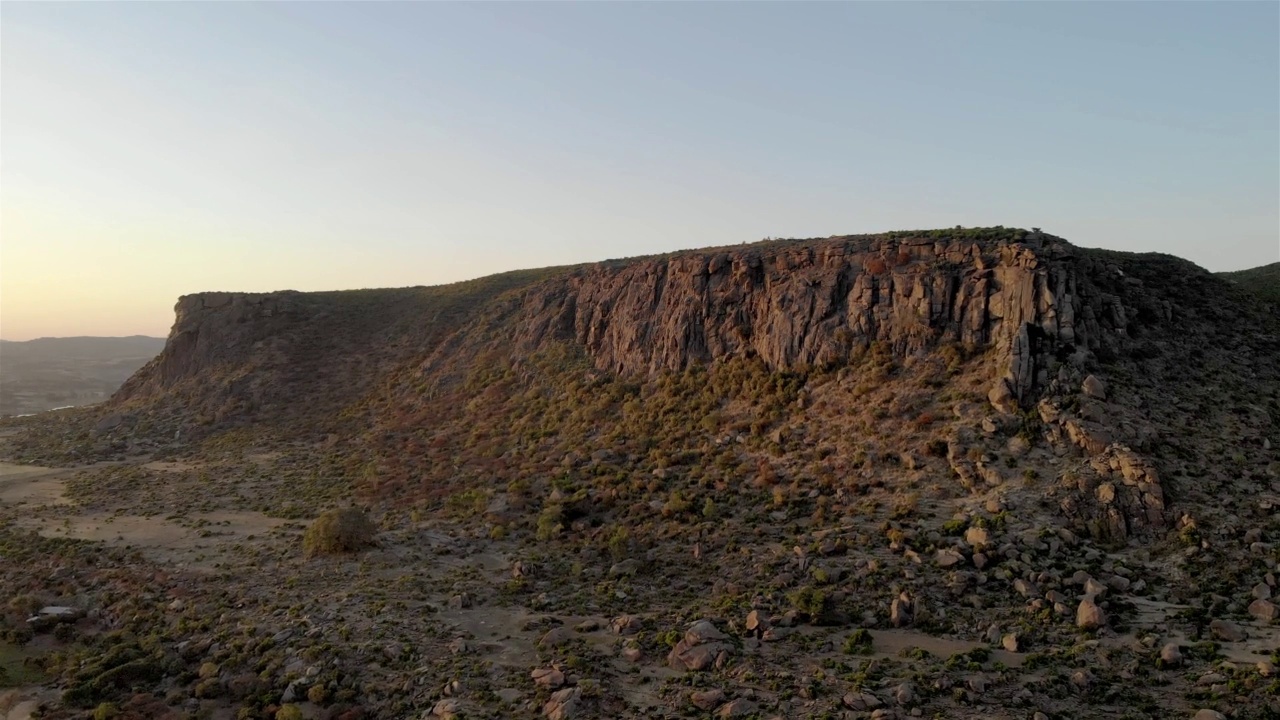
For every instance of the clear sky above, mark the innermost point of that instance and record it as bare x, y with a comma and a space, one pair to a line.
149, 150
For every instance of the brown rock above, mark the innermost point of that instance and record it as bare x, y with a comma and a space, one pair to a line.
900, 611
1089, 616
862, 701
563, 704
626, 625
549, 677
706, 699
1010, 642
556, 637
1226, 630
737, 708
695, 657
1094, 388
1263, 610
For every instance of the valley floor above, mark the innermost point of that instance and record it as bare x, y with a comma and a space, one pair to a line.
191, 575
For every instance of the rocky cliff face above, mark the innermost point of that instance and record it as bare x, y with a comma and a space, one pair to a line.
804, 304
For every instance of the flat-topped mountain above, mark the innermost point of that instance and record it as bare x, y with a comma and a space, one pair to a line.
722, 465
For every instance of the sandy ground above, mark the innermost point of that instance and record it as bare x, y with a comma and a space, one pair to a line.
196, 542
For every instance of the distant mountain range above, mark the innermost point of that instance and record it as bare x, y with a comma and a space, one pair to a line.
47, 373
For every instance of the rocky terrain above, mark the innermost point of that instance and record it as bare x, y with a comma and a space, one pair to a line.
968, 473
49, 373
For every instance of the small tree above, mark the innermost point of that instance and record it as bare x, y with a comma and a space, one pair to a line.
338, 531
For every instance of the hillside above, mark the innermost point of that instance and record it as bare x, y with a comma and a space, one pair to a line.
1263, 281
47, 373
955, 473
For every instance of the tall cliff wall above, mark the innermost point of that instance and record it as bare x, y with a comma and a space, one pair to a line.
803, 304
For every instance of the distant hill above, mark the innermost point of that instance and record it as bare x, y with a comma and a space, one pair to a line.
47, 373
1263, 281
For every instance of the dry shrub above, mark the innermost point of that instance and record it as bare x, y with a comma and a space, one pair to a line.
875, 266
338, 531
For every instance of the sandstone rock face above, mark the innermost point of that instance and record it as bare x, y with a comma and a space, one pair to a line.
800, 305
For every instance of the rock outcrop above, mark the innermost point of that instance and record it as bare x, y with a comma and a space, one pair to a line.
799, 305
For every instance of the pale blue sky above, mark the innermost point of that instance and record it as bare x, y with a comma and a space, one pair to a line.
153, 149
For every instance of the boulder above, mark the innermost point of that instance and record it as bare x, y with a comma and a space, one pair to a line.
1263, 610
739, 708
563, 704
1089, 616
706, 699
1226, 630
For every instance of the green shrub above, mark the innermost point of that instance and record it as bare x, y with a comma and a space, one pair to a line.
338, 531
858, 643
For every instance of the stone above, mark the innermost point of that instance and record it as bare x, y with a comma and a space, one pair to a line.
1089, 616
977, 537
757, 622
947, 557
626, 625
447, 709
1094, 588
1010, 642
1094, 387
703, 631
1261, 591
556, 637
1002, 398
685, 656
1207, 714
905, 694
706, 699
1119, 583
563, 704
1266, 668
1171, 655
626, 568
900, 611
1026, 589
1226, 630
741, 707
549, 677
1263, 610
861, 701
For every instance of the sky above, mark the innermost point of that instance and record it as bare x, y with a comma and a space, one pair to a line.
150, 150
